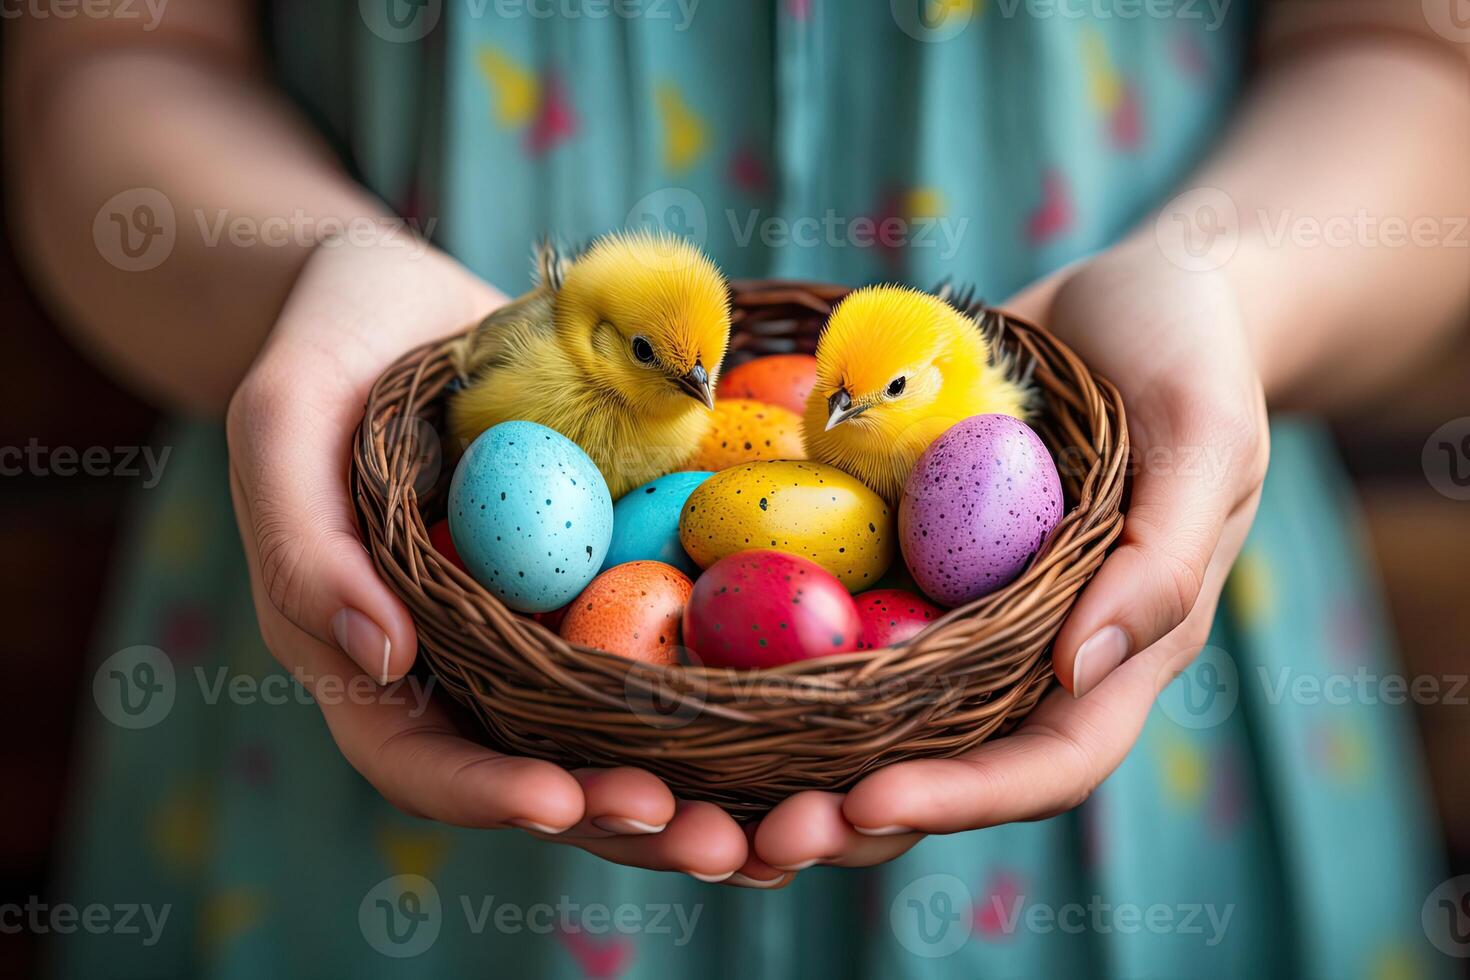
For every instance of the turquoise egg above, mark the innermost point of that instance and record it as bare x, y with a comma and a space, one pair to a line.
530, 515
646, 523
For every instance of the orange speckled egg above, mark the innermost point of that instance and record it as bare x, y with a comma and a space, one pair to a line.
632, 610
745, 431
780, 379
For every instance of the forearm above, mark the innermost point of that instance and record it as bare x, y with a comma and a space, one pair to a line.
248, 184
1347, 172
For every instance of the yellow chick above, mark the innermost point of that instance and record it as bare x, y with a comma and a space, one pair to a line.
618, 349
895, 369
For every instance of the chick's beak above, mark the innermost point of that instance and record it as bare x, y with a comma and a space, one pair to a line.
696, 385
839, 410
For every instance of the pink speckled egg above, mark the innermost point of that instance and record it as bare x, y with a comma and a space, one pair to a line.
892, 616
766, 608
976, 508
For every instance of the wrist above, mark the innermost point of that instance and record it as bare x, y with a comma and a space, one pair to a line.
388, 291
1237, 280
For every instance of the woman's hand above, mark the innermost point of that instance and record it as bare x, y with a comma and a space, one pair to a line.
353, 310
1173, 343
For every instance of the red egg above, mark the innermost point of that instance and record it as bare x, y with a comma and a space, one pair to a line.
632, 610
780, 379
766, 608
444, 544
891, 616
551, 620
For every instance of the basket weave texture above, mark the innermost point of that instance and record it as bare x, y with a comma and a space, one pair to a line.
743, 739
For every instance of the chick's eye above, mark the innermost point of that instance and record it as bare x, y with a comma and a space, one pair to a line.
895, 387
643, 350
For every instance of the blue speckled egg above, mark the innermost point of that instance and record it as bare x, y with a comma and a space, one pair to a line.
646, 523
530, 515
977, 506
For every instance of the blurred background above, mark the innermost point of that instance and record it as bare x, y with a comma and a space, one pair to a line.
60, 534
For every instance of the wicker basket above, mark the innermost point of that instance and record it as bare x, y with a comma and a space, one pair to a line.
743, 739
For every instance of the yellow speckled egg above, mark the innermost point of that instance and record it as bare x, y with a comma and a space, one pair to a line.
744, 431
798, 507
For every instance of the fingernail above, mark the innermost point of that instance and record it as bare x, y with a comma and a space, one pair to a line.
626, 825
888, 831
360, 638
1097, 658
796, 867
539, 828
711, 879
746, 881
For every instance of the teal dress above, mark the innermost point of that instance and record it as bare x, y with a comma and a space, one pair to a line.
1249, 832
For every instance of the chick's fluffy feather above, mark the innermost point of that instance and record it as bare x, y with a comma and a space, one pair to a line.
878, 335
562, 355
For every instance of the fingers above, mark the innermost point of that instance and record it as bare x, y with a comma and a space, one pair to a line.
810, 828
433, 773
288, 460
1058, 756
409, 750
701, 840
756, 873
1149, 584
1049, 765
622, 801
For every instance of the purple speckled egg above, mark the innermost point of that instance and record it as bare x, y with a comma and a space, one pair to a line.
976, 508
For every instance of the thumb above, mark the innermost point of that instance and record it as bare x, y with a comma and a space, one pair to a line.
1190, 509
288, 475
